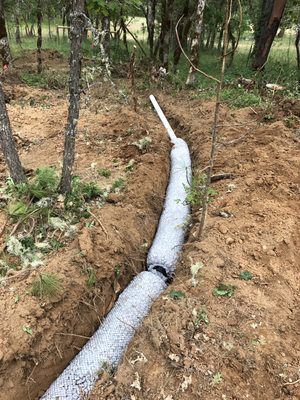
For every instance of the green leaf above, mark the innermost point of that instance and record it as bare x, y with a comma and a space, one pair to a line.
177, 294
217, 378
28, 330
17, 208
224, 290
246, 276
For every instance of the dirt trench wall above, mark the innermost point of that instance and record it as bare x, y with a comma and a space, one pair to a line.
114, 248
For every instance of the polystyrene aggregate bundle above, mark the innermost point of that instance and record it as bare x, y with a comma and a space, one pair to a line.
164, 252
108, 344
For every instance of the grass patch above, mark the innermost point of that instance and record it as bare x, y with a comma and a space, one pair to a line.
46, 285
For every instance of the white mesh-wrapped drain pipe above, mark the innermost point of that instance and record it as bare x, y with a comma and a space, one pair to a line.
164, 252
108, 344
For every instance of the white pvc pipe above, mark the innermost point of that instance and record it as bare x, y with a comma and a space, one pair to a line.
163, 119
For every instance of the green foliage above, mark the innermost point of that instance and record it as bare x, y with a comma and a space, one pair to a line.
200, 316
177, 294
27, 329
143, 144
118, 185
104, 172
39, 208
46, 285
117, 271
239, 97
46, 80
217, 378
246, 276
43, 184
80, 194
224, 290
195, 191
92, 278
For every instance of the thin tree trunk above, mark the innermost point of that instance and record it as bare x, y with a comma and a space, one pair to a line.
297, 43
181, 33
220, 40
4, 45
272, 11
123, 27
106, 36
150, 20
232, 39
17, 19
8, 144
39, 39
165, 37
76, 34
195, 46
213, 38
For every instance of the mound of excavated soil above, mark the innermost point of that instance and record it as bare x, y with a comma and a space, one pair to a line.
246, 346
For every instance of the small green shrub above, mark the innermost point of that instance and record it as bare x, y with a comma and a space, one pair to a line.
195, 191
118, 185
224, 290
104, 172
239, 97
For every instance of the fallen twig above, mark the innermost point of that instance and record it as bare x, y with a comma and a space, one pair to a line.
99, 222
291, 383
219, 177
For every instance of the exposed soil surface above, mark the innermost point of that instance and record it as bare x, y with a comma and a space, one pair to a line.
246, 346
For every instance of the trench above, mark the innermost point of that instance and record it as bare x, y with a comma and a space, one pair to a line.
108, 344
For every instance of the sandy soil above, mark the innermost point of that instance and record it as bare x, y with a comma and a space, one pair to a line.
198, 346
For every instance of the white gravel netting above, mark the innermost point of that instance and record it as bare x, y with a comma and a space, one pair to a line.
173, 222
108, 344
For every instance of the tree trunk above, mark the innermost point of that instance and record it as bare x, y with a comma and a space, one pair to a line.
195, 46
297, 43
232, 39
18, 35
272, 11
165, 37
39, 39
8, 144
123, 27
106, 36
76, 34
213, 38
182, 33
220, 40
4, 45
17, 19
150, 20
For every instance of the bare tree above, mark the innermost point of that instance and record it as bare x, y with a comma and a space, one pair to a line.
78, 21
8, 144
150, 19
297, 44
17, 19
39, 39
165, 34
195, 46
271, 14
4, 45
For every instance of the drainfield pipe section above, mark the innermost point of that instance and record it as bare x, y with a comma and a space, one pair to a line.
108, 344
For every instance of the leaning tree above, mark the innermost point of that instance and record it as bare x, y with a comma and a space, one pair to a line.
270, 17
